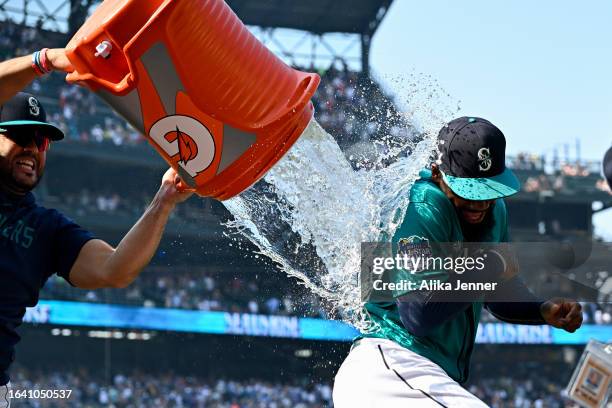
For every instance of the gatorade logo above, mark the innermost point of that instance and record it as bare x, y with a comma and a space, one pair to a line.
185, 136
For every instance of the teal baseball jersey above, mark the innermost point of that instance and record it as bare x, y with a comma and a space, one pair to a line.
432, 217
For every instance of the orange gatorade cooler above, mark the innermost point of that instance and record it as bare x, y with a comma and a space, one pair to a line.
213, 101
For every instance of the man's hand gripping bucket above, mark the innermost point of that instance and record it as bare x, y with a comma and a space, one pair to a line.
215, 103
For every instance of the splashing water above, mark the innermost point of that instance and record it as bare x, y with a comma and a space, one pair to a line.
312, 211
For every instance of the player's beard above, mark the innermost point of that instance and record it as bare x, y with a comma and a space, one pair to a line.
11, 182
477, 232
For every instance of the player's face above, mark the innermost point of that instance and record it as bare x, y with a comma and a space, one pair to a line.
472, 212
22, 162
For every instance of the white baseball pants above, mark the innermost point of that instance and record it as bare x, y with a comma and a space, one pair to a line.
381, 373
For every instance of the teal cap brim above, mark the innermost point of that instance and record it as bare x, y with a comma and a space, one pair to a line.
490, 188
54, 132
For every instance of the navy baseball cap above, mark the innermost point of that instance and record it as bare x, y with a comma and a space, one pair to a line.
24, 110
473, 160
607, 167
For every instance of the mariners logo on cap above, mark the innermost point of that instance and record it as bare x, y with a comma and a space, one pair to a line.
34, 106
484, 159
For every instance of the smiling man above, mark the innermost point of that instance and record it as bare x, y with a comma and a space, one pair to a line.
26, 137
36, 242
418, 351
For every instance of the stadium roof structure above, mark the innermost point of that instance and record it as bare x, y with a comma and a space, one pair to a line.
315, 16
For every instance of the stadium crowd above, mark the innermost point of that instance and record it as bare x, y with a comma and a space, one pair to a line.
536, 162
511, 392
198, 289
529, 385
549, 176
560, 182
105, 201
144, 389
139, 390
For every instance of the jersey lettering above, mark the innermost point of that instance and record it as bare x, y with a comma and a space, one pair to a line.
18, 233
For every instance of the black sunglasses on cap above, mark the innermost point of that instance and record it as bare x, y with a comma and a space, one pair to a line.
24, 137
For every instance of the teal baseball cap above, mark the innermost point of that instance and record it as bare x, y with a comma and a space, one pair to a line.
24, 112
472, 159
